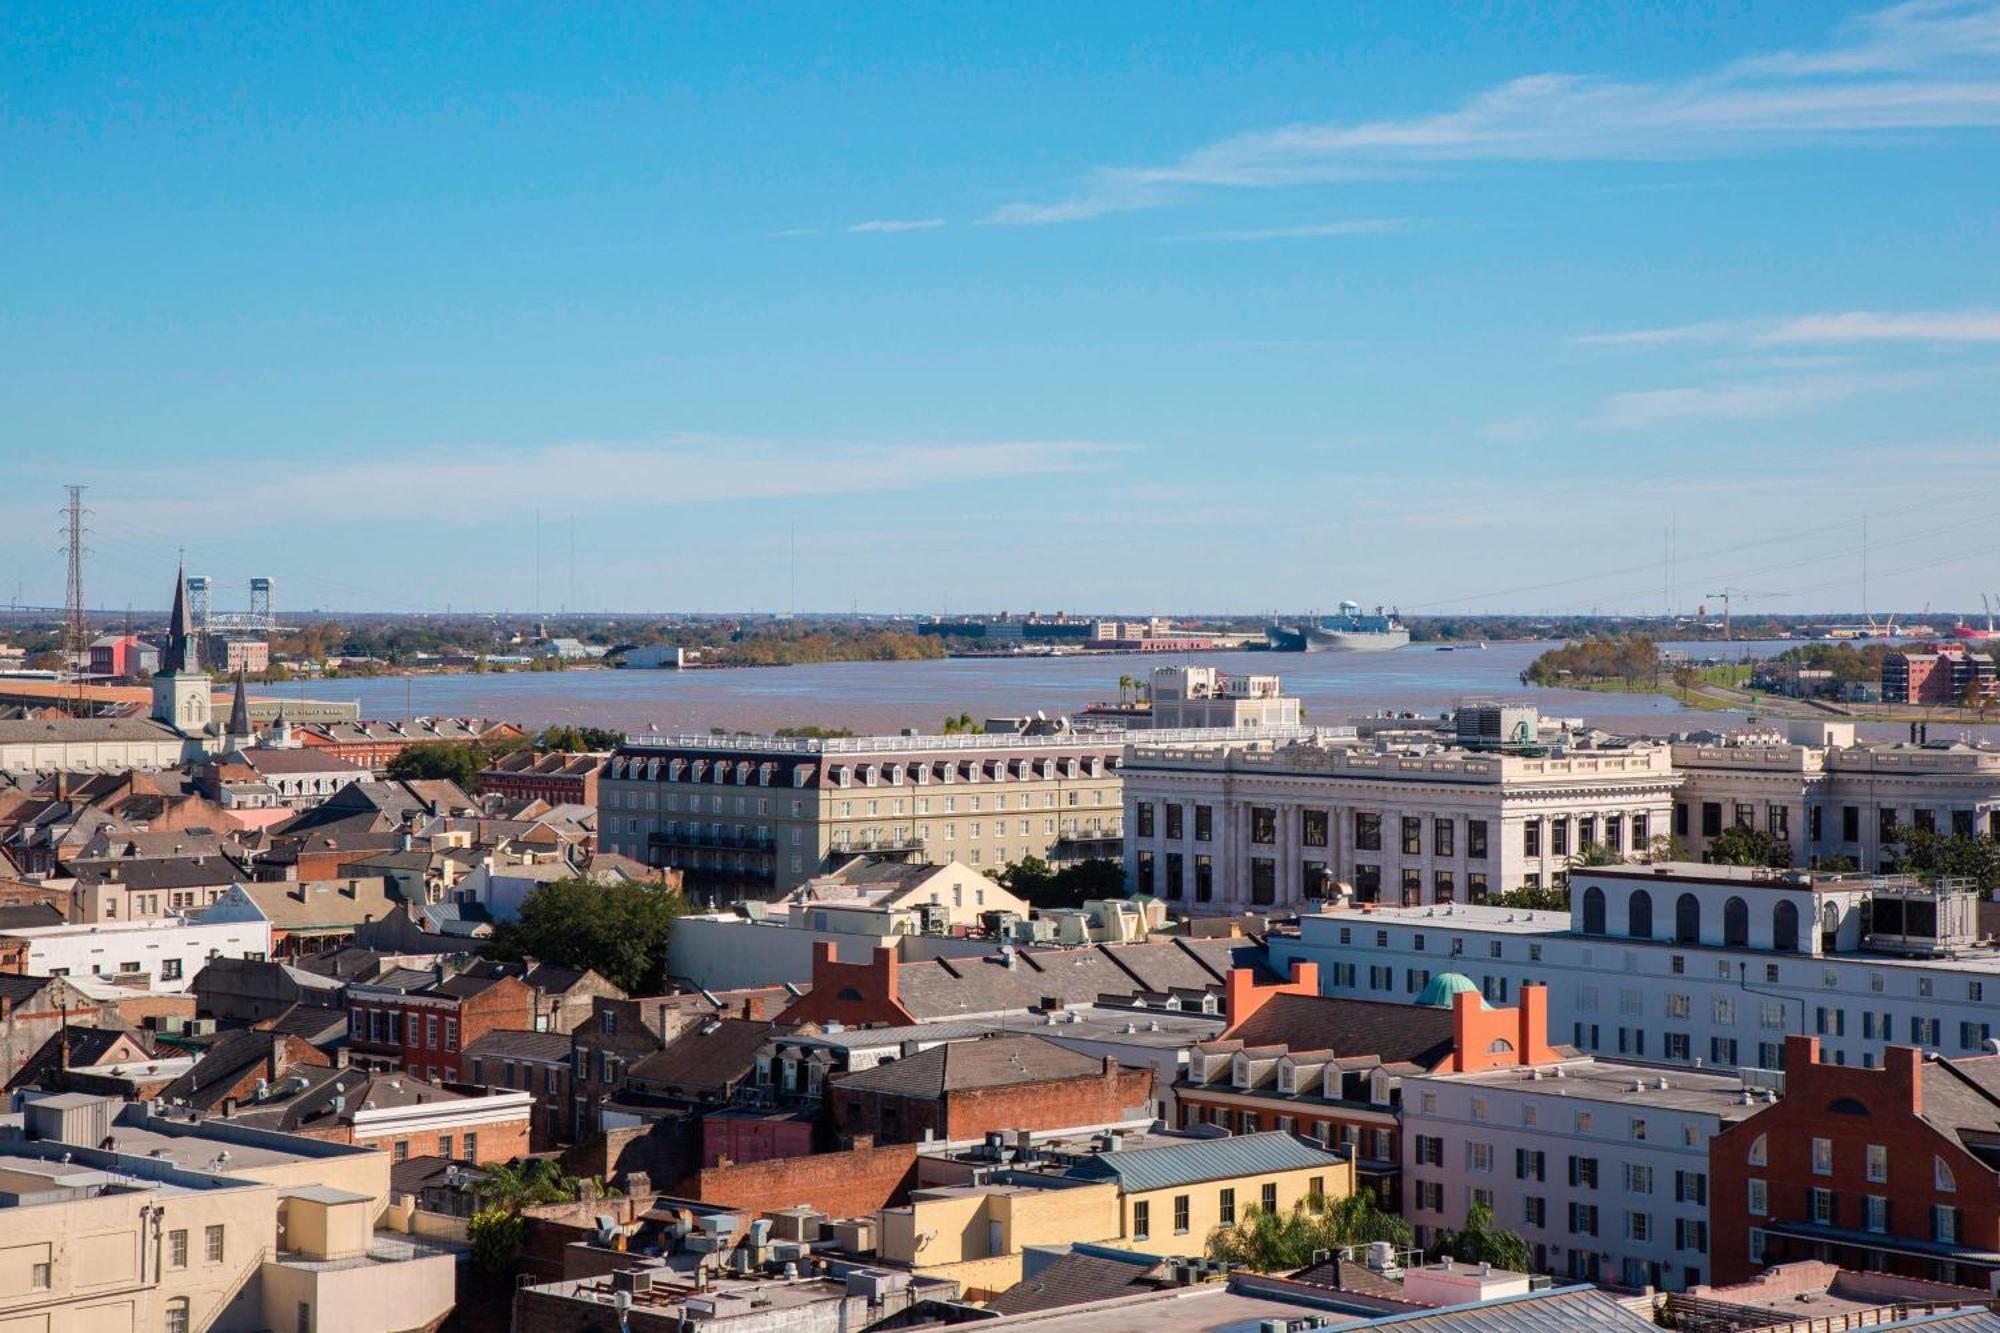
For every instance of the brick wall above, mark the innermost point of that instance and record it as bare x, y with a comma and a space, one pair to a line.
754, 1138
1103, 1098
859, 1181
857, 994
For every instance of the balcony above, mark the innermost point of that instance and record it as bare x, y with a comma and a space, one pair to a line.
728, 839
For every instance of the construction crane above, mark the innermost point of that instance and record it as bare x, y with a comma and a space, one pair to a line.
1741, 595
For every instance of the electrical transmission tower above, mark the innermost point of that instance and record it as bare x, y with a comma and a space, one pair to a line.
76, 638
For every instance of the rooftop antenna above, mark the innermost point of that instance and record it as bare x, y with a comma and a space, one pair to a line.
76, 643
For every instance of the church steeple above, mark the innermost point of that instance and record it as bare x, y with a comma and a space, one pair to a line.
183, 652
239, 712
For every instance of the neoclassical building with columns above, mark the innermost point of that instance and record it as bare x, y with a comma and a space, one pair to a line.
1228, 825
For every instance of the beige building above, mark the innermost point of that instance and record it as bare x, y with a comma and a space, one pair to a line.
1154, 1194
756, 816
180, 1227
1220, 824
1200, 696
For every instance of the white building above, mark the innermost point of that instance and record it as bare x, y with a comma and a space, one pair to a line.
1601, 1167
1820, 792
1218, 824
1694, 964
1201, 696
161, 956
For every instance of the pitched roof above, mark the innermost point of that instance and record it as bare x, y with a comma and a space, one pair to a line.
146, 873
276, 761
316, 1023
88, 1045
961, 1066
1399, 1033
708, 1057
1199, 1160
1075, 1279
321, 904
521, 1044
30, 914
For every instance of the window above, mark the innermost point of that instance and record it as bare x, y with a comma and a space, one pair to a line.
1269, 1196
1759, 1195
1204, 823
1638, 1178
177, 1249
1583, 1219
1478, 1156
1944, 1223
472, 1145
444, 1146
1877, 1213
1878, 1163
1534, 1210
1144, 812
1263, 824
1368, 832
1821, 1201
1225, 1209
1583, 1172
1639, 1226
1941, 1177
305, 1317
170, 969
1530, 1164
212, 1241
39, 1277
1822, 1157
1142, 1220
1176, 824
1441, 837
1312, 828
402, 1152
1180, 1214
177, 1315
1413, 836
1531, 838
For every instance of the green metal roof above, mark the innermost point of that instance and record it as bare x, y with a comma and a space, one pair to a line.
1444, 988
1198, 1160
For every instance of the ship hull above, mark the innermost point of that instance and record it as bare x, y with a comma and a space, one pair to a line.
1354, 641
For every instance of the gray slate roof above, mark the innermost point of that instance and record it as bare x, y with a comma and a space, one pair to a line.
1199, 1160
964, 1065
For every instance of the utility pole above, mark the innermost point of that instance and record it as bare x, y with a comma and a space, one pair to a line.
76, 642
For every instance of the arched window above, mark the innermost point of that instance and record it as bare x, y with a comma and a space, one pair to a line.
1829, 929
1593, 911
1942, 1178
1735, 924
1687, 919
1639, 915
177, 1315
1499, 1046
1785, 926
1759, 1151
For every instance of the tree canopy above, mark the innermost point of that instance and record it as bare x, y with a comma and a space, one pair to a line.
578, 740
1934, 855
1276, 1242
1479, 1241
616, 927
1630, 658
1042, 885
1741, 846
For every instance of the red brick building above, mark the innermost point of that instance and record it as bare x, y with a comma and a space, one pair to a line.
962, 1090
859, 995
374, 744
1894, 1169
422, 1020
559, 779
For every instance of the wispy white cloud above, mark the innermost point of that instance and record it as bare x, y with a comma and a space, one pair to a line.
473, 486
796, 231
1923, 65
1763, 400
896, 224
1351, 227
1878, 326
1847, 326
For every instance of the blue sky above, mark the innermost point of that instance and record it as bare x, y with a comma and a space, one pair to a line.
1141, 307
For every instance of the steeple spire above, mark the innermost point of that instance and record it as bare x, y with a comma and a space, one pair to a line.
183, 653
239, 711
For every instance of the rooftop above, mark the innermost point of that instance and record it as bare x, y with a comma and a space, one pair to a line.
862, 745
1674, 1088
1194, 1160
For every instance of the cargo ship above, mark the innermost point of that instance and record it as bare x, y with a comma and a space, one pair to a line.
1349, 631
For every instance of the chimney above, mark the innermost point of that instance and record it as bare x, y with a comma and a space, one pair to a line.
753, 1007
1904, 1065
274, 1058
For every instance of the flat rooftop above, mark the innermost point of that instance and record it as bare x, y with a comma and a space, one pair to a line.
1446, 916
1212, 1308
1667, 1088
1155, 1028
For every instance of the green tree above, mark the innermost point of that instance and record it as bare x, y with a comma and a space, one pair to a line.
1280, 1241
1479, 1241
1667, 847
1596, 854
1741, 846
432, 760
578, 740
616, 927
523, 1183
1934, 855
1552, 898
496, 1235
